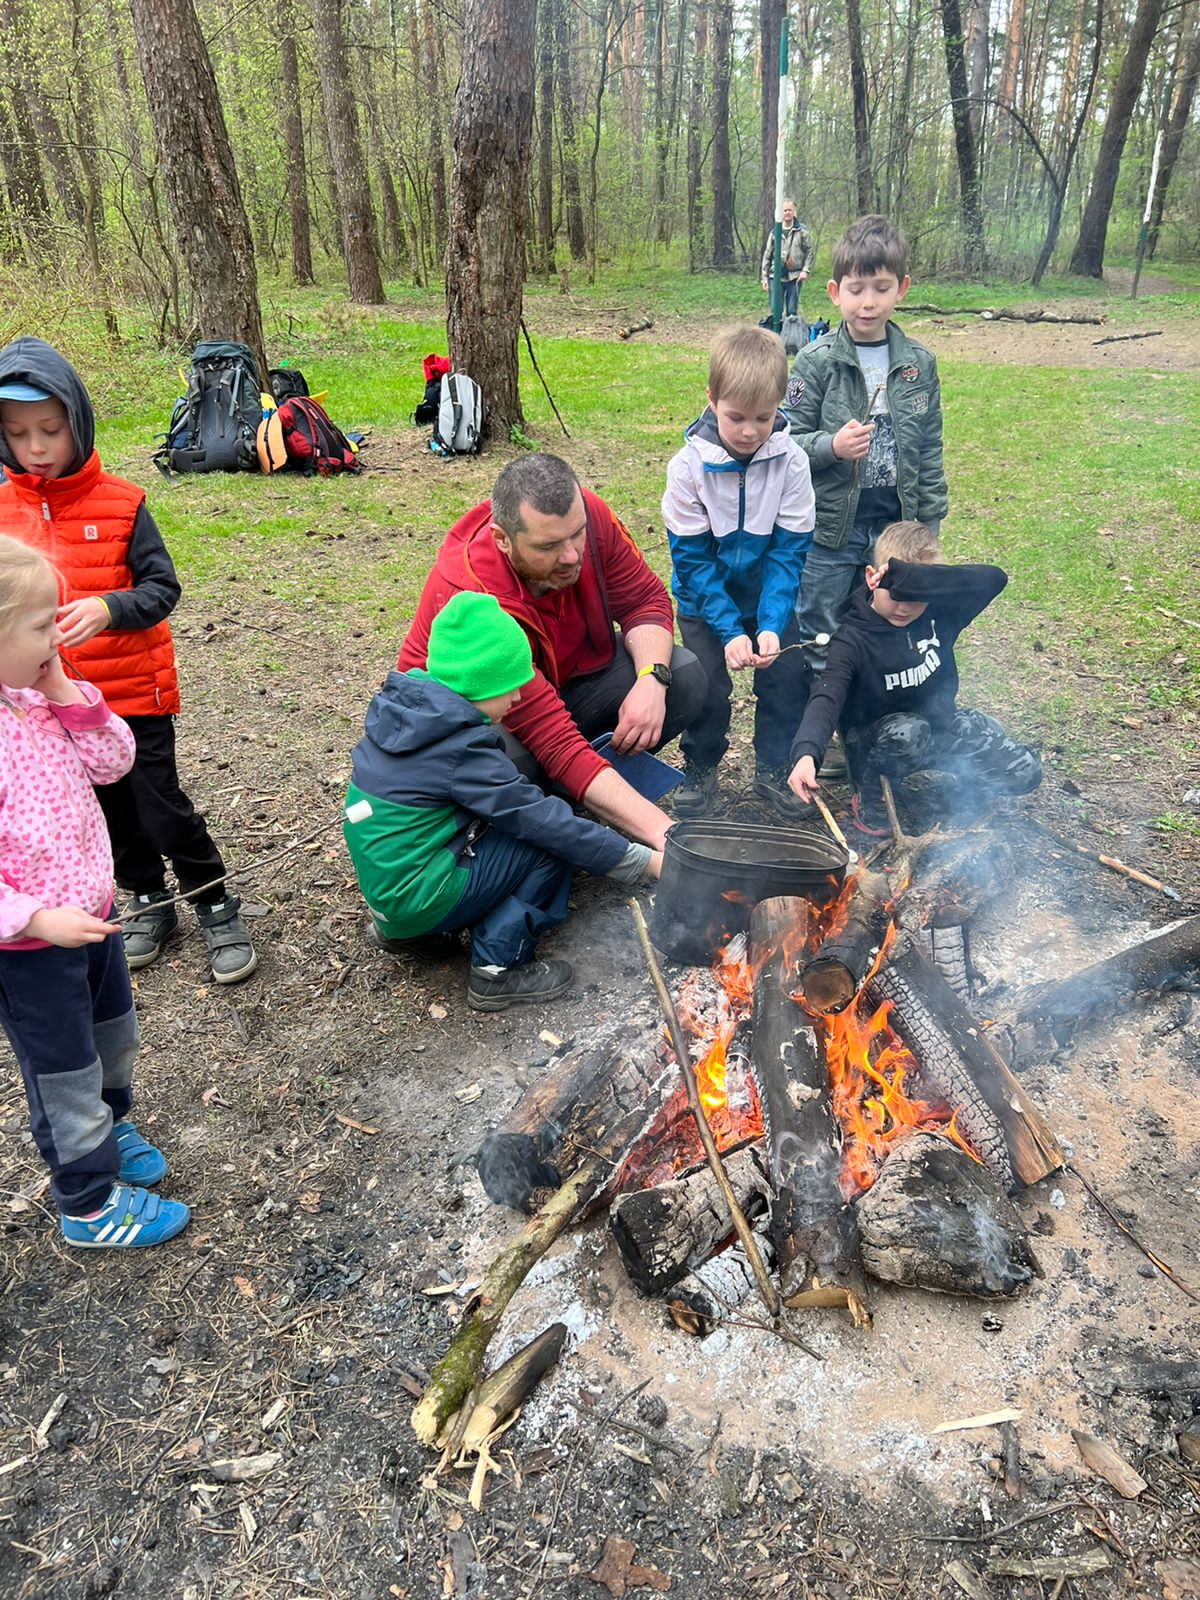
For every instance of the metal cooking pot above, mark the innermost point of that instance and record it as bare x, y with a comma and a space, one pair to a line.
715, 873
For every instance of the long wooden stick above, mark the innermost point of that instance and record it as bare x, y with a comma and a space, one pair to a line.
687, 1072
830, 822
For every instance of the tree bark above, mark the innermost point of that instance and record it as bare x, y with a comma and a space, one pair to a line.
772, 15
858, 93
353, 188
545, 113
572, 194
485, 256
198, 171
722, 173
1188, 75
293, 144
438, 201
1087, 257
695, 113
970, 206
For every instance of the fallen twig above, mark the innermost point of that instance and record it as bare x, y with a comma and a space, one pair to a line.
1175, 617
1123, 1227
541, 379
1120, 338
635, 327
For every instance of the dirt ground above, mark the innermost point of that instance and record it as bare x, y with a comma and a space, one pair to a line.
321, 1120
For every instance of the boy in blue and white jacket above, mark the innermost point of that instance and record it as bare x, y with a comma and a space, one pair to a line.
739, 513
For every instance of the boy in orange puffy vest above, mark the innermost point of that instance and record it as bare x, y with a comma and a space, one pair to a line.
120, 587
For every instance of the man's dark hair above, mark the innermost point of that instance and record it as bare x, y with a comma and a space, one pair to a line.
545, 483
872, 244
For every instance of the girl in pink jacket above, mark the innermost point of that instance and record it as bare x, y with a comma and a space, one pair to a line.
65, 998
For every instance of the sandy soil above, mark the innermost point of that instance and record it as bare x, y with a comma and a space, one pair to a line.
322, 1118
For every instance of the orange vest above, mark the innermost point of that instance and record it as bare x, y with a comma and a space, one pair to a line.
82, 523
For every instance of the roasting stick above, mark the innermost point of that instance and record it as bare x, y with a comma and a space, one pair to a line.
687, 1072
1114, 865
831, 823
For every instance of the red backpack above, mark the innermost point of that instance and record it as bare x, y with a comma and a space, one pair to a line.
313, 441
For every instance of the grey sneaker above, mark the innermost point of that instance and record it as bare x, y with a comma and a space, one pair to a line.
772, 786
230, 953
148, 922
698, 794
513, 986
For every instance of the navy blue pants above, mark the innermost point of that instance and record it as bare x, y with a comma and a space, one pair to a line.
70, 1021
515, 893
828, 578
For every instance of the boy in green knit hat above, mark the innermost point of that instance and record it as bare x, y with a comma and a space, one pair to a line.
445, 833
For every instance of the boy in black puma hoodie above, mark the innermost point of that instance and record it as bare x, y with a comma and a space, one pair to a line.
890, 685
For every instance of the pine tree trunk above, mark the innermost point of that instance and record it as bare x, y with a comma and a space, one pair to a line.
198, 172
1088, 256
722, 174
572, 194
695, 112
437, 154
293, 144
1187, 75
353, 187
485, 255
970, 207
864, 187
545, 110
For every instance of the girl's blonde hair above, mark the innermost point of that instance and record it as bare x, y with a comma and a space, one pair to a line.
20, 568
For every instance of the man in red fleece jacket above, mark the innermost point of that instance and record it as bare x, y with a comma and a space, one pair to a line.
561, 564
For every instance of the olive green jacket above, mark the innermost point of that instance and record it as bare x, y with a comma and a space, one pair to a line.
827, 388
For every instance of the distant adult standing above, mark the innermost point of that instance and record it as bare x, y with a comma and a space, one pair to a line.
796, 253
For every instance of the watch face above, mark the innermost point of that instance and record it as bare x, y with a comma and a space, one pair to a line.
663, 675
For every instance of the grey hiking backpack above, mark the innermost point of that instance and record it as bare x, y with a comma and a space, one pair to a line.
458, 430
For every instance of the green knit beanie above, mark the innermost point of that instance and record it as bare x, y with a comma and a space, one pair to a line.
477, 649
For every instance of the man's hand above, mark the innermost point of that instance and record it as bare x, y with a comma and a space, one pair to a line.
68, 927
640, 725
801, 276
852, 440
802, 780
768, 649
654, 869
765, 285
739, 654
82, 620
57, 687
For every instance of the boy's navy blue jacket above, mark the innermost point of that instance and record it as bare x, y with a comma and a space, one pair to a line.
875, 668
432, 768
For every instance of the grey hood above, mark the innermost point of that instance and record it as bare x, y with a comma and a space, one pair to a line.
33, 361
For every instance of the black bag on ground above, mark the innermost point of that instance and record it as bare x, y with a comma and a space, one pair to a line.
214, 426
286, 383
313, 441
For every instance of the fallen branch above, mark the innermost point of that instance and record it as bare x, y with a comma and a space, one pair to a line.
1175, 617
1010, 314
1121, 338
635, 327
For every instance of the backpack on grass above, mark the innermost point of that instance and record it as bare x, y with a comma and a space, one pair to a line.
286, 383
214, 425
458, 430
312, 440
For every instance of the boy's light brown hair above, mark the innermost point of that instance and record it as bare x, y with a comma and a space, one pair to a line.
905, 541
747, 365
872, 244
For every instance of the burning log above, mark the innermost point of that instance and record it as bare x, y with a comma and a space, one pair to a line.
959, 1063
936, 1219
812, 1228
666, 1231
958, 876
1051, 1015
597, 1098
833, 976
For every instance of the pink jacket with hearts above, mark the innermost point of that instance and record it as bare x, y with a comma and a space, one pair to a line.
54, 848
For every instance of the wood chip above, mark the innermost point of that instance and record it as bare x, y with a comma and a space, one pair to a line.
549, 1038
1180, 1578
349, 1122
1088, 1565
438, 1013
273, 1413
468, 1095
1105, 1461
248, 1522
967, 1579
239, 1469
985, 1419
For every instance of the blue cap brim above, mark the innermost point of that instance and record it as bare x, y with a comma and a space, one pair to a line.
22, 391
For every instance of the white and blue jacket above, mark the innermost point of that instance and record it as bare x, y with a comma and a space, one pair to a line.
738, 530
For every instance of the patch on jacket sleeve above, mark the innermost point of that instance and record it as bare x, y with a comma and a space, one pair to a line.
909, 374
795, 391
919, 404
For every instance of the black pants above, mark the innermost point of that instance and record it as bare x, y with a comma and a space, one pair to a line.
970, 746
149, 817
594, 703
780, 695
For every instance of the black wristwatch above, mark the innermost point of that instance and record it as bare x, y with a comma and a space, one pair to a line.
659, 673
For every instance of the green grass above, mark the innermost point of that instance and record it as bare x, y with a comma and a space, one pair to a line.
1077, 481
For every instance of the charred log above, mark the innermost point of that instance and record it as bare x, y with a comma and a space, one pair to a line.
1050, 1017
836, 972
812, 1228
958, 1064
936, 1219
958, 876
703, 1299
597, 1098
666, 1231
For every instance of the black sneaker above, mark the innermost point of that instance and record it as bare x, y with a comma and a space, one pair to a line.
423, 947
512, 986
772, 786
148, 922
833, 765
230, 953
698, 794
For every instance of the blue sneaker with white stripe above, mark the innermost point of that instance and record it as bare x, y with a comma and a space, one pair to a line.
141, 1162
131, 1219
